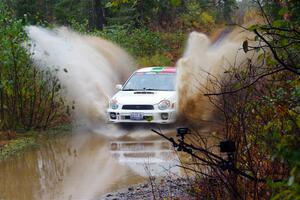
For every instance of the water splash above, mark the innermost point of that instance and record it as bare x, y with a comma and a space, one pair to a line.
88, 67
203, 61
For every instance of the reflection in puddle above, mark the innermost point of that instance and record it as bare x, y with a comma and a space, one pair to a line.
143, 157
84, 166
34, 174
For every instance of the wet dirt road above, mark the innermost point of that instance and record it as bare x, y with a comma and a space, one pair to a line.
86, 165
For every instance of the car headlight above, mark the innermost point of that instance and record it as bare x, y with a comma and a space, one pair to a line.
164, 104
114, 104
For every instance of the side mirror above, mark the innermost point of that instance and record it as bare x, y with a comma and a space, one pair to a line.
119, 86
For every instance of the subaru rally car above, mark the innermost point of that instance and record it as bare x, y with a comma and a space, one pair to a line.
147, 96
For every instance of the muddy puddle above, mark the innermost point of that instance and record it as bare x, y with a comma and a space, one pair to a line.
86, 165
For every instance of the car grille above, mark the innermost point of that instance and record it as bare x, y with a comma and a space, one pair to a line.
138, 107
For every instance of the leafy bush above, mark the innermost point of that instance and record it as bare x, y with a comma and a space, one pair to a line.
207, 20
29, 98
139, 42
281, 108
282, 136
196, 17
191, 17
79, 27
155, 60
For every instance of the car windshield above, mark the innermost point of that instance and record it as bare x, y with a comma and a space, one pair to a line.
151, 81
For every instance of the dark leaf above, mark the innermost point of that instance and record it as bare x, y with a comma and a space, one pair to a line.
245, 46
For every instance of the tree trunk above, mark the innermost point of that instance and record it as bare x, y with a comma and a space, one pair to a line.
1, 102
99, 14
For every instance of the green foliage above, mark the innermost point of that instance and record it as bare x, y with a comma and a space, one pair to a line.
283, 33
227, 9
264, 119
148, 47
141, 13
279, 129
155, 60
207, 19
125, 15
28, 97
280, 125
130, 13
67, 11
30, 10
198, 16
192, 16
79, 27
139, 42
16, 146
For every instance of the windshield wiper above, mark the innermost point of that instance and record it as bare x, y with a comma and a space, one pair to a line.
129, 90
141, 89
151, 89
146, 89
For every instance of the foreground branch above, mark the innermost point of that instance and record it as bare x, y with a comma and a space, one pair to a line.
219, 162
246, 86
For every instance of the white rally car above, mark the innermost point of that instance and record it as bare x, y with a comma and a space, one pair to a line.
147, 96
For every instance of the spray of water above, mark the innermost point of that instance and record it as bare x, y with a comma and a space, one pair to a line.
88, 67
203, 60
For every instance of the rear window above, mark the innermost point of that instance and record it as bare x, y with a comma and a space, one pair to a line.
151, 81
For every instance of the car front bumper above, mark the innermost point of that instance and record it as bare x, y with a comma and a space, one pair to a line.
146, 116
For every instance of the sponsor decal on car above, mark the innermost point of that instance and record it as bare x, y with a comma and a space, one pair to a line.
158, 70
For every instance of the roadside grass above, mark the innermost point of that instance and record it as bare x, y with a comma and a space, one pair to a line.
24, 141
16, 146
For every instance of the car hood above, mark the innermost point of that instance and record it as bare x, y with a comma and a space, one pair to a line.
141, 97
